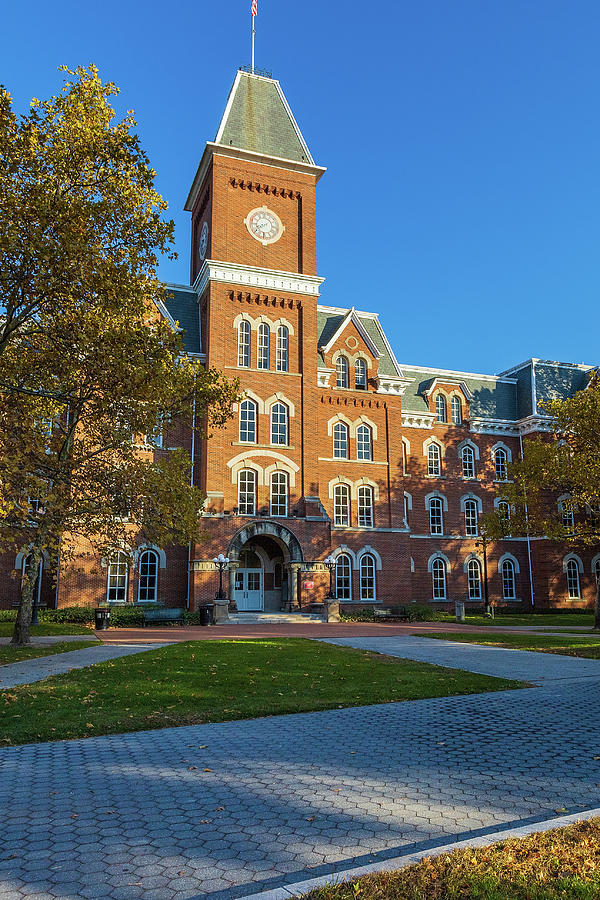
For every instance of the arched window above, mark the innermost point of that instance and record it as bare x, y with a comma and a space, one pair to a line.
456, 411
503, 509
501, 464
434, 460
440, 408
474, 579
340, 440
468, 462
279, 494
343, 577
244, 343
436, 516
438, 577
341, 368
283, 349
360, 375
279, 423
341, 504
471, 529
363, 442
248, 421
567, 514
247, 492
572, 571
263, 347
367, 577
118, 573
148, 577
508, 580
365, 506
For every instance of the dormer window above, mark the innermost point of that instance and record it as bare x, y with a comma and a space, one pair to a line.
456, 411
440, 408
360, 375
341, 368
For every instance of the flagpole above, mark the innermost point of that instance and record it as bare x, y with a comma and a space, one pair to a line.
253, 33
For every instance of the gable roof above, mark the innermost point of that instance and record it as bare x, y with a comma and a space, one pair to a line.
351, 316
331, 321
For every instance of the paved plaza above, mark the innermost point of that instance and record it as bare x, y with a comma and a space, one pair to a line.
226, 810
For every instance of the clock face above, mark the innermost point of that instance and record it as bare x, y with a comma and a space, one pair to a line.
203, 244
264, 225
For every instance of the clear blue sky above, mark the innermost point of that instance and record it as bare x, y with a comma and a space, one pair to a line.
462, 139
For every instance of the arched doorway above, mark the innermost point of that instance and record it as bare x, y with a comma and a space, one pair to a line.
265, 560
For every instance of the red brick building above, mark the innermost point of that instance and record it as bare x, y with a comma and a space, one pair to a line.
337, 448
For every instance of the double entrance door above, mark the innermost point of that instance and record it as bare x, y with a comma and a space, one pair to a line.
249, 590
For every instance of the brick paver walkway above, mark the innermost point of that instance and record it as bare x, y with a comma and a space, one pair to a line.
225, 810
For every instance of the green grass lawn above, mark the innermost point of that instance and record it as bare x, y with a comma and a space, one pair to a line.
542, 620
562, 864
46, 629
565, 645
215, 681
10, 654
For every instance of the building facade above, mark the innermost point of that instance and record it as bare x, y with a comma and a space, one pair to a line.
336, 448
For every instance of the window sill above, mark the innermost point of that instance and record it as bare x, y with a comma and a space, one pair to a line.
262, 446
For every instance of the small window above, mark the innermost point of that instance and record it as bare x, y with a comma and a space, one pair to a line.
471, 524
573, 580
279, 424
360, 375
341, 368
468, 462
434, 460
474, 578
456, 411
365, 506
436, 516
340, 440
244, 344
501, 464
363, 442
279, 494
440, 408
283, 349
247, 492
341, 504
118, 572
367, 577
508, 580
264, 341
406, 511
343, 577
438, 577
148, 577
34, 506
248, 421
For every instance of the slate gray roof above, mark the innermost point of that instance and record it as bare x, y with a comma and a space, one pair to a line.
258, 118
491, 399
544, 379
182, 306
329, 322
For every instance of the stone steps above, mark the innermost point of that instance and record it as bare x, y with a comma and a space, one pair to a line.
261, 618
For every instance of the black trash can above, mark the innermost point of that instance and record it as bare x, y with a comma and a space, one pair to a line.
101, 618
206, 614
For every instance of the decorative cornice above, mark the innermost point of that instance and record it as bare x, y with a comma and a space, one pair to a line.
392, 384
512, 427
417, 420
255, 277
323, 376
536, 423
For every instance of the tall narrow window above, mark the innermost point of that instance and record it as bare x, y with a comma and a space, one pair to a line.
471, 527
468, 462
118, 571
341, 368
567, 515
279, 423
434, 460
436, 516
343, 577
360, 375
365, 506
367, 577
279, 494
244, 344
501, 464
508, 580
597, 571
404, 459
247, 492
406, 510
283, 349
438, 577
456, 411
573, 580
248, 421
440, 408
474, 579
148, 577
340, 440
363, 442
341, 504
264, 342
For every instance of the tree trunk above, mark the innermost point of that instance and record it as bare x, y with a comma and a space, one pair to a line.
597, 610
28, 587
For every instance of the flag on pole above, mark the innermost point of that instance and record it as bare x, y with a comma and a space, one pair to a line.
254, 7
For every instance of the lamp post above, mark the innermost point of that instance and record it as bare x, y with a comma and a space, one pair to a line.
330, 563
221, 562
483, 543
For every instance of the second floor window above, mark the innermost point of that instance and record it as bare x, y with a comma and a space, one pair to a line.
501, 464
247, 492
468, 462
264, 342
365, 506
440, 408
340, 440
471, 529
434, 460
341, 504
363, 442
360, 375
282, 363
248, 421
341, 369
567, 515
279, 494
279, 423
436, 516
244, 344
456, 411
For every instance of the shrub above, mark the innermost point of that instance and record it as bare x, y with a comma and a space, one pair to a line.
74, 615
8, 615
420, 613
357, 615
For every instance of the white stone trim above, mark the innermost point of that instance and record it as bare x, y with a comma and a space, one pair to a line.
343, 549
500, 445
417, 420
278, 397
468, 559
434, 440
367, 549
364, 420
351, 316
471, 496
246, 462
162, 556
410, 500
339, 417
438, 555
366, 482
513, 560
249, 454
577, 559
468, 443
340, 479
256, 277
429, 497
323, 376
453, 385
250, 395
279, 467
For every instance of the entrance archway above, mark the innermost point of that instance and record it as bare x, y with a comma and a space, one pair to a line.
265, 559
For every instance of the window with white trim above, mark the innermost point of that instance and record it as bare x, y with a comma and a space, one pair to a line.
406, 510
508, 580
501, 463
340, 440
247, 492
244, 344
341, 369
360, 375
248, 416
572, 573
148, 577
503, 507
341, 504
468, 462
365, 506
343, 577
279, 494
434, 460
567, 515
117, 577
441, 413
364, 442
436, 516
263, 346
474, 579
279, 423
438, 578
471, 525
367, 577
282, 361
456, 410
